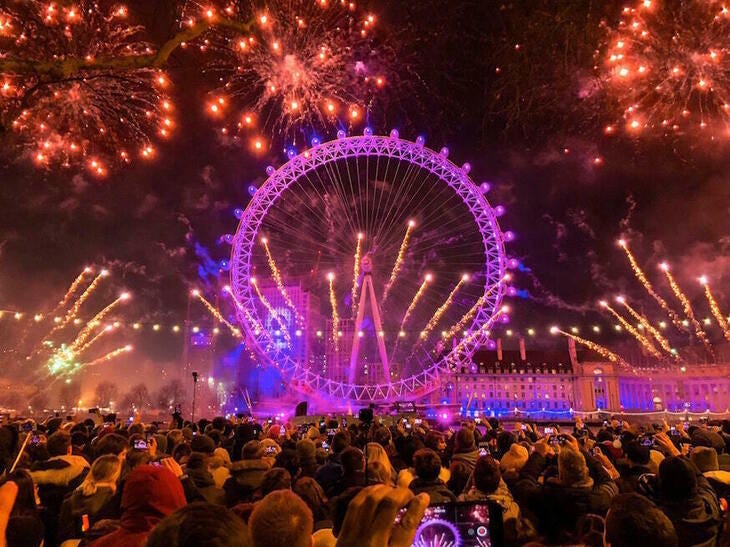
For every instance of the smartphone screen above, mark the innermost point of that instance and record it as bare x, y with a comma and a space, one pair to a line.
549, 431
467, 524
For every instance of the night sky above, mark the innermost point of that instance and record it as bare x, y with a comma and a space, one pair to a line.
528, 119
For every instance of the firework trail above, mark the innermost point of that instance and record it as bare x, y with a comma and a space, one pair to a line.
639, 273
442, 309
81, 299
272, 311
335, 315
416, 298
98, 318
106, 330
663, 342
643, 340
715, 307
599, 349
70, 292
215, 313
276, 274
108, 357
356, 274
257, 326
398, 262
687, 307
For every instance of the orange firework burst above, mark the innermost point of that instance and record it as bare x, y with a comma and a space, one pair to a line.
668, 66
398, 261
442, 309
276, 274
644, 322
643, 340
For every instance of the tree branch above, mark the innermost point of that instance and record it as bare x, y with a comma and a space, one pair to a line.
67, 67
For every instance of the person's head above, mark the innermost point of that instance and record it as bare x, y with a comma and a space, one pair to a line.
79, 439
637, 453
572, 468
505, 440
427, 464
311, 492
150, 494
377, 473
289, 460
252, 450
25, 499
353, 460
460, 473
111, 443
275, 479
514, 459
487, 474
104, 472
435, 441
340, 441
281, 519
408, 447
705, 459
181, 453
59, 444
203, 443
306, 450
381, 435
200, 524
633, 519
174, 437
376, 453
677, 479
464, 441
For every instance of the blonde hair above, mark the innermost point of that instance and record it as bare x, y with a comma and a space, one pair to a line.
104, 472
376, 453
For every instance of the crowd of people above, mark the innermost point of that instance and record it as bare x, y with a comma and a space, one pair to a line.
103, 483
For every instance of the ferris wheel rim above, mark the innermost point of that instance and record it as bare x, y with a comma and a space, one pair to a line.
282, 179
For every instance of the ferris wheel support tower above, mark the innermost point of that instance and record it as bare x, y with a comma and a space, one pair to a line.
368, 291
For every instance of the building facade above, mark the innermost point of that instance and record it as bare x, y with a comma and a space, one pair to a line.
505, 382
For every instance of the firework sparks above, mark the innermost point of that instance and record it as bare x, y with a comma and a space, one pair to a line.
103, 332
641, 276
108, 357
715, 308
98, 318
257, 326
643, 340
78, 86
71, 314
304, 63
398, 261
669, 65
442, 309
276, 274
651, 329
215, 313
272, 311
333, 305
356, 273
687, 307
458, 327
599, 349
70, 292
412, 306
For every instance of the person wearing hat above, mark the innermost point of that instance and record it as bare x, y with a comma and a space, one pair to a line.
307, 454
689, 502
706, 460
246, 474
465, 449
512, 463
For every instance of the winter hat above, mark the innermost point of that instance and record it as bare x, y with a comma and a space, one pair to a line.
222, 455
677, 479
655, 458
572, 468
313, 433
515, 458
711, 439
252, 450
150, 494
202, 443
306, 450
268, 443
464, 441
705, 459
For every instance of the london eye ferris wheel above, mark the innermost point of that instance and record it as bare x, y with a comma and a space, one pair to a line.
367, 265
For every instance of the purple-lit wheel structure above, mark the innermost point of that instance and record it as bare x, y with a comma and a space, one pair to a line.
365, 266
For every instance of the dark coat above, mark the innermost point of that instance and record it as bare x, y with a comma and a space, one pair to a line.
436, 489
75, 506
697, 520
246, 477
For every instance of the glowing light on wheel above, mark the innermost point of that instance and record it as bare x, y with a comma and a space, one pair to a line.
448, 272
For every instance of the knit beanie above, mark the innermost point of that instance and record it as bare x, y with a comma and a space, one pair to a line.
515, 458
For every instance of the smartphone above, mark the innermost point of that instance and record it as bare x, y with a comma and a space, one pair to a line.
605, 423
270, 451
325, 446
467, 524
282, 432
331, 432
549, 431
35, 440
647, 441
418, 421
685, 425
483, 452
523, 427
140, 444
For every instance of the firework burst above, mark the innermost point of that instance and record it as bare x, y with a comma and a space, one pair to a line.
668, 66
304, 63
77, 85
598, 348
715, 308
